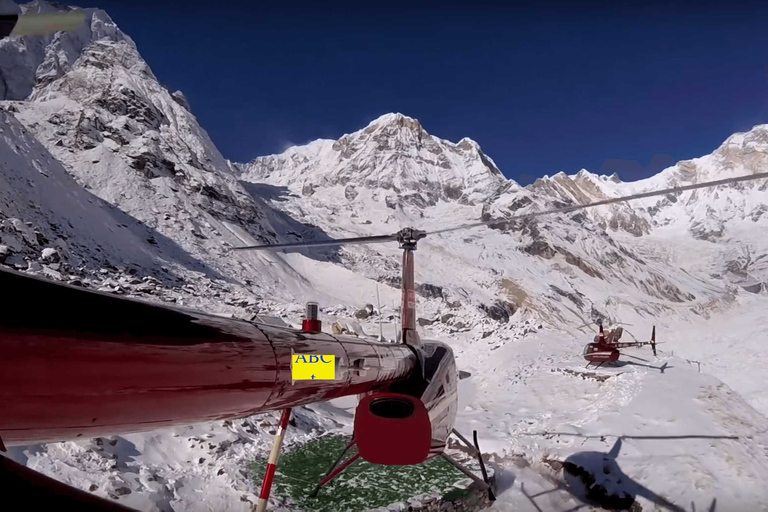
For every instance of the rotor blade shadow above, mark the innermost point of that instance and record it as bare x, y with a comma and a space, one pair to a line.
661, 368
620, 436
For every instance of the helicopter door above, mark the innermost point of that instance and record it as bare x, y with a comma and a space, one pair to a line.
590, 348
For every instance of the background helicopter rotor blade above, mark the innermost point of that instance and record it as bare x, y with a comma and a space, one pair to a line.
39, 24
642, 195
390, 238
319, 243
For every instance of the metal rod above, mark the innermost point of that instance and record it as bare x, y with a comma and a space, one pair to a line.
408, 314
464, 439
341, 456
464, 470
482, 467
378, 305
266, 484
336, 472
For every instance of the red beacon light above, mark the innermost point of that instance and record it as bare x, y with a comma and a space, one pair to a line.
311, 324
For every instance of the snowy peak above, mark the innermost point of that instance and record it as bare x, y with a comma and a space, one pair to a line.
395, 153
39, 60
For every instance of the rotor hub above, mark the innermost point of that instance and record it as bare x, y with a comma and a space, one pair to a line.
408, 237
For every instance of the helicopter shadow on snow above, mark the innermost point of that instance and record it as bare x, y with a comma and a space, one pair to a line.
596, 480
289, 229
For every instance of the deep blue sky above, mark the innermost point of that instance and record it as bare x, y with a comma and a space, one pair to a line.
542, 89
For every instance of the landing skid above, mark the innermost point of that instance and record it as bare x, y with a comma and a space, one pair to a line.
337, 468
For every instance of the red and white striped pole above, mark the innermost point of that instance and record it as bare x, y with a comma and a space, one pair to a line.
266, 485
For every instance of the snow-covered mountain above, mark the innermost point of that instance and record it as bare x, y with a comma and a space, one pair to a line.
394, 153
107, 180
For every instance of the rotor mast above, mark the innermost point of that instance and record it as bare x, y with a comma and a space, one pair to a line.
408, 238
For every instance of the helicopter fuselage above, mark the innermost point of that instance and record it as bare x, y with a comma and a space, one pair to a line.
600, 353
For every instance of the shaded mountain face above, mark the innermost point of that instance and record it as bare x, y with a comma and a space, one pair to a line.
94, 107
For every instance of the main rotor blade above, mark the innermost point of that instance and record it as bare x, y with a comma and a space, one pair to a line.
642, 195
341, 241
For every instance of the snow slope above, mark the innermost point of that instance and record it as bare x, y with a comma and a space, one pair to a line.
109, 169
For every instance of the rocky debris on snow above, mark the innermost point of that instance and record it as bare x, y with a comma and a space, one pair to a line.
471, 499
423, 322
366, 312
51, 255
585, 375
500, 311
429, 290
350, 192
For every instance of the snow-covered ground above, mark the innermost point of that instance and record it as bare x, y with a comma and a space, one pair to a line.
109, 182
534, 398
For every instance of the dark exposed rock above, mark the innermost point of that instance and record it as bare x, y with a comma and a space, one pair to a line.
151, 166
631, 223
122, 491
429, 290
307, 189
350, 192
540, 248
391, 202
499, 310
452, 192
424, 322
446, 317
572, 259
364, 313
597, 316
570, 296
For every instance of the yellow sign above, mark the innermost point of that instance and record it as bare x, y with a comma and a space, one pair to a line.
313, 367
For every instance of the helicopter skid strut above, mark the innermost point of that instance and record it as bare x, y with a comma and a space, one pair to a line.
337, 468
269, 474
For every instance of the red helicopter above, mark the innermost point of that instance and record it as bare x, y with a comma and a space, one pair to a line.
100, 364
605, 348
